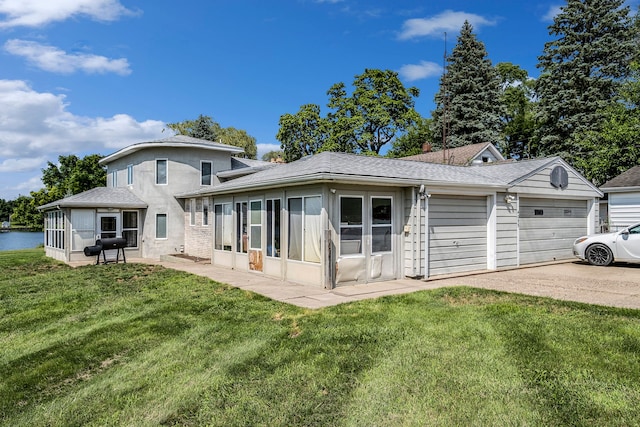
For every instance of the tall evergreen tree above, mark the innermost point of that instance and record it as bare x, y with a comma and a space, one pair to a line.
468, 101
581, 70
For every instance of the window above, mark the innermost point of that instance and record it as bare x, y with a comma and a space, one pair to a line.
350, 225
305, 228
55, 230
242, 239
255, 225
130, 228
223, 226
83, 232
205, 211
161, 226
129, 174
381, 230
205, 173
114, 178
191, 208
273, 228
161, 171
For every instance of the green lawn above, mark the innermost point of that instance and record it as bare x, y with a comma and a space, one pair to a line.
143, 345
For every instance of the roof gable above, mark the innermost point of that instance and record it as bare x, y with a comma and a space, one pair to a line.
461, 156
627, 179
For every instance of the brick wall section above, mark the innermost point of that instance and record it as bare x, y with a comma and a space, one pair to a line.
198, 238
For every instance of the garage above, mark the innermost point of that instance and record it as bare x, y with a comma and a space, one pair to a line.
548, 227
457, 234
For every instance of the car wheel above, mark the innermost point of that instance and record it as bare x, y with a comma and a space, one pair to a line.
599, 254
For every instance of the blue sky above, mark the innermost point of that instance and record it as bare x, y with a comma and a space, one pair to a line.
92, 76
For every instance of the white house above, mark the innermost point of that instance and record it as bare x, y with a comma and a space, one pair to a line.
330, 219
623, 195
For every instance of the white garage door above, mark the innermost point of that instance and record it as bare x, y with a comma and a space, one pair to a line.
457, 234
548, 228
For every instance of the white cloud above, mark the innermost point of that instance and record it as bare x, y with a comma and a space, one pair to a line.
36, 13
551, 13
436, 26
423, 70
38, 125
21, 165
52, 59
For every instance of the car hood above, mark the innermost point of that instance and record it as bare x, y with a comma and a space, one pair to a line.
604, 237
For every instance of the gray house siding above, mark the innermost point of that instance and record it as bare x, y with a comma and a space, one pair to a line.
183, 174
414, 232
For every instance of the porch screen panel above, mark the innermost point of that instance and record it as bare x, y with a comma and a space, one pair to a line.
312, 228
83, 232
350, 225
255, 225
381, 224
295, 229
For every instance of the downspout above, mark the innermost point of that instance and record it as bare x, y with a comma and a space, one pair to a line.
416, 233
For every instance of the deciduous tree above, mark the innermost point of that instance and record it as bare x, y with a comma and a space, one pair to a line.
204, 127
518, 122
379, 109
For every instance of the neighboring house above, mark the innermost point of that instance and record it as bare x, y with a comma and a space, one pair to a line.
466, 155
5, 224
336, 219
623, 195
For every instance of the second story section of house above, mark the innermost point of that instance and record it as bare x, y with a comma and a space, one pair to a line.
168, 166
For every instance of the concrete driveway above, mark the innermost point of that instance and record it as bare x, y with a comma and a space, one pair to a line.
616, 286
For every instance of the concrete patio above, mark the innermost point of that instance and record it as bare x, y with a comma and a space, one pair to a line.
616, 286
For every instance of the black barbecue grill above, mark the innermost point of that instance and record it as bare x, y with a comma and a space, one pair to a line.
102, 245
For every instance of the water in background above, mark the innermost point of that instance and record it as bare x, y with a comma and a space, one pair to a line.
13, 240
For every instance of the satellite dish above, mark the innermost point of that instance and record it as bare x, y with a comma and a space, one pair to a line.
559, 177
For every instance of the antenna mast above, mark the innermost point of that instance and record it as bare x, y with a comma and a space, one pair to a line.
445, 120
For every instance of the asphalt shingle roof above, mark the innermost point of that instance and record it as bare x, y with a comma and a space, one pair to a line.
356, 168
630, 178
100, 197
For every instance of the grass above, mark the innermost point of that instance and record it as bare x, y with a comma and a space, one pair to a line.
143, 345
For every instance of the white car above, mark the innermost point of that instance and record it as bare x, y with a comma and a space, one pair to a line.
603, 249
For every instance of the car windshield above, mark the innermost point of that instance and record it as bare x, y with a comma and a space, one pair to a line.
634, 229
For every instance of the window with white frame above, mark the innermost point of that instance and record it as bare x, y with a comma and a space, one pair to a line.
351, 225
381, 224
223, 226
83, 232
191, 208
130, 228
161, 226
55, 230
242, 238
129, 174
114, 178
255, 224
305, 228
161, 172
273, 227
205, 211
206, 168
